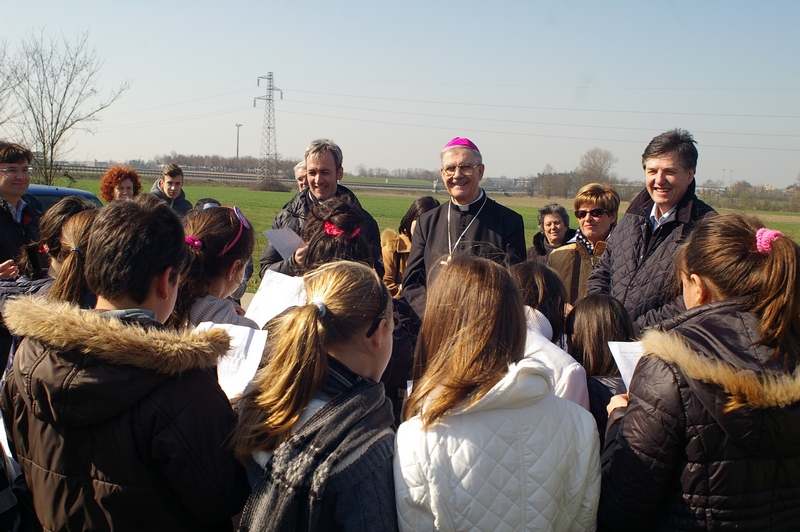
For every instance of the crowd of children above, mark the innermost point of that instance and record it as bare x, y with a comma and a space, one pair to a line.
508, 406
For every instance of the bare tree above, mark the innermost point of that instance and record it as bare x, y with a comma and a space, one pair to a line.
595, 166
7, 109
56, 90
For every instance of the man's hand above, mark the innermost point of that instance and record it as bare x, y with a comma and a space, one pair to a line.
8, 269
300, 254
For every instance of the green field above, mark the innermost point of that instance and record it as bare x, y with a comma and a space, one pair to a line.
387, 209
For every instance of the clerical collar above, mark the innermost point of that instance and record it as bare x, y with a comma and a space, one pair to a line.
465, 208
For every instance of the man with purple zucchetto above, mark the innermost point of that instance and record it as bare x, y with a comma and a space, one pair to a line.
469, 223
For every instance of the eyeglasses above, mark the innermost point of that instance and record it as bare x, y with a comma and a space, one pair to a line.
242, 223
594, 213
381, 311
466, 169
25, 170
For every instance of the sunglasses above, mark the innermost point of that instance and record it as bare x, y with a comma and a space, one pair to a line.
381, 311
594, 213
242, 223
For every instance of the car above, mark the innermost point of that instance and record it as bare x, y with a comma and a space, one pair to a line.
49, 196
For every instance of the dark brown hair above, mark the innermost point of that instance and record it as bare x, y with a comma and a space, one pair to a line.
132, 242
116, 175
595, 321
32, 263
542, 290
722, 251
14, 153
417, 209
216, 228
677, 141
473, 328
345, 218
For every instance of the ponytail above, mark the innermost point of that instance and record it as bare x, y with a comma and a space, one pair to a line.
740, 258
778, 301
70, 284
33, 261
294, 374
344, 300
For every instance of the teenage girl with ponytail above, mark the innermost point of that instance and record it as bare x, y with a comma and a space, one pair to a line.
315, 426
708, 436
220, 241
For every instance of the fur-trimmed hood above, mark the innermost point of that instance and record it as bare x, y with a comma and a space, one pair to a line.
754, 398
72, 361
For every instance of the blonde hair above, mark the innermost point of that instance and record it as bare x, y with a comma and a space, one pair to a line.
344, 299
70, 284
598, 194
722, 251
474, 327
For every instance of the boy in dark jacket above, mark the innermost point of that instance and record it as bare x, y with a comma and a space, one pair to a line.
117, 422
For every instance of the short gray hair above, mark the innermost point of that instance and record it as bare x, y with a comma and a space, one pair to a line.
552, 208
320, 146
299, 166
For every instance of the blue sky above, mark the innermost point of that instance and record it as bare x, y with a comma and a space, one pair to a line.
531, 83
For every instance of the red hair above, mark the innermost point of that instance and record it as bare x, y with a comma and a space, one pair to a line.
116, 175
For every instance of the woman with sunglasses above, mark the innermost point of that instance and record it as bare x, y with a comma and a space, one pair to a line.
596, 207
220, 241
315, 426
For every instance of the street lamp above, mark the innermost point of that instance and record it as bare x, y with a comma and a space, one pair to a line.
237, 142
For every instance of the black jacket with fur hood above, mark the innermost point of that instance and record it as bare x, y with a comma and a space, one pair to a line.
711, 435
119, 424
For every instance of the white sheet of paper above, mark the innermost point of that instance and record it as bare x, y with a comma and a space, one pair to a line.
285, 241
276, 293
236, 369
626, 355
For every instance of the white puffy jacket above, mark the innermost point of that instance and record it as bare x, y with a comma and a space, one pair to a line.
519, 458
567, 376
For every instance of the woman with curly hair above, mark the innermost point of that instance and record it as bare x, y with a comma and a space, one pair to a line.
120, 182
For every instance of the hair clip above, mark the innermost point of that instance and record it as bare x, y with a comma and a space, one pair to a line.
764, 238
193, 242
44, 249
332, 230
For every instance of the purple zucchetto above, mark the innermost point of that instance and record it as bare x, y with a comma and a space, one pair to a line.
461, 142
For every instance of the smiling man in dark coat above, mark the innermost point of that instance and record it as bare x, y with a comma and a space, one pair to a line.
636, 268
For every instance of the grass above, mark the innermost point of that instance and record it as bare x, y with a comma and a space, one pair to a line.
388, 208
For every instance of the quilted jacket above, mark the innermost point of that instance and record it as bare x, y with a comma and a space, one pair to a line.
119, 424
636, 268
519, 458
679, 458
293, 216
563, 259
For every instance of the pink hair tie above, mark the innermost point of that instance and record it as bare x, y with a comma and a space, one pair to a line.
461, 142
332, 230
44, 249
193, 242
764, 238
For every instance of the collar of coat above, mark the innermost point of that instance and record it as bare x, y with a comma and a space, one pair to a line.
743, 388
642, 204
66, 327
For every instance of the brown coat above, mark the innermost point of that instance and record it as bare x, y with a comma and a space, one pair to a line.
119, 424
395, 248
569, 257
